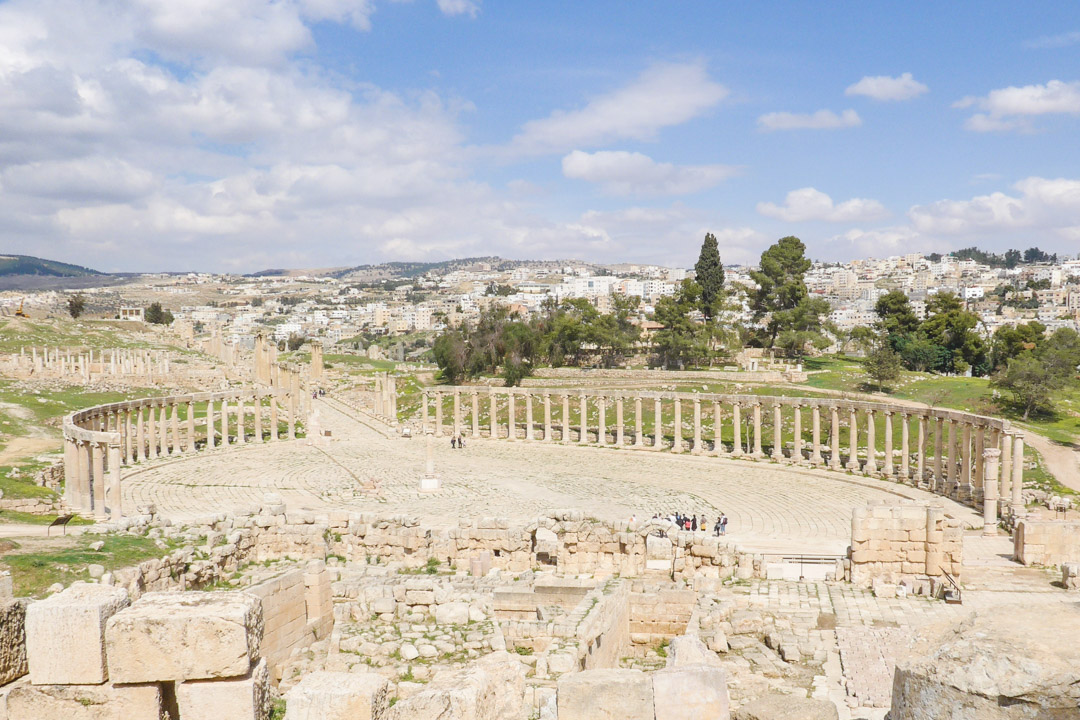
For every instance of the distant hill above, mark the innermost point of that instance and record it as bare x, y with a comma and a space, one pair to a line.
27, 265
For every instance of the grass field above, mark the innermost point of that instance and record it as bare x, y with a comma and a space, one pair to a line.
17, 333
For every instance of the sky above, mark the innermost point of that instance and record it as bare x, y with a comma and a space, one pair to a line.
240, 135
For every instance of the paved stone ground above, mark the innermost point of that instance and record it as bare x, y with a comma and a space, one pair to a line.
771, 508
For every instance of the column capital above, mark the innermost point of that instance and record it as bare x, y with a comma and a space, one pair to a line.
991, 453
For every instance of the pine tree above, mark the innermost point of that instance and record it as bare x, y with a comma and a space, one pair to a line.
710, 276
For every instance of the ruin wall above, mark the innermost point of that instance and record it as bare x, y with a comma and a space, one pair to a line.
1045, 542
893, 542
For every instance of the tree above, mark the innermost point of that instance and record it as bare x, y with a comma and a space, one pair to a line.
1010, 341
883, 365
451, 352
781, 287
1031, 383
157, 316
709, 274
75, 305
951, 327
1012, 258
295, 341
895, 317
680, 341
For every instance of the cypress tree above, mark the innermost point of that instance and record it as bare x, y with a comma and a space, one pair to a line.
709, 275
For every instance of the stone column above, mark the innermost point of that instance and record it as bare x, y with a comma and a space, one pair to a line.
639, 425
71, 471
888, 467
425, 415
977, 476
601, 423
529, 432
696, 450
140, 435
796, 451
493, 413
1006, 443
905, 446
676, 428
457, 413
871, 466
717, 430
548, 436
511, 424
658, 423
175, 422
950, 469
583, 425
777, 433
225, 421
292, 414
965, 460
438, 415
241, 430
991, 457
1018, 475
114, 483
97, 450
757, 431
86, 501
853, 431
273, 417
211, 425
565, 418
151, 432
620, 434
475, 413
834, 437
129, 440
258, 417
815, 448
939, 427
736, 429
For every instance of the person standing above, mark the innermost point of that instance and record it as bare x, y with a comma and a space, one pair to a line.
723, 524
693, 523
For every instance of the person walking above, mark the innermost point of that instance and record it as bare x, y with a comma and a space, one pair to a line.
693, 523
461, 441
453, 442
723, 524
716, 528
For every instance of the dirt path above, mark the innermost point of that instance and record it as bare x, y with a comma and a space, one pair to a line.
1060, 461
20, 448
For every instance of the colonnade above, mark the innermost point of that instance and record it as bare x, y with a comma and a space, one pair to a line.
943, 451
89, 364
101, 440
384, 403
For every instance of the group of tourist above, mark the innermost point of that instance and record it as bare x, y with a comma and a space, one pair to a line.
693, 523
457, 442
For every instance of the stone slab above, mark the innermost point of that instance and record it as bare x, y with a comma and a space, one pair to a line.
605, 695
338, 696
65, 634
85, 702
184, 636
12, 639
246, 698
690, 692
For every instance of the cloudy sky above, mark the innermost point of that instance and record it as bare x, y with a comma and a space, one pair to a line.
244, 134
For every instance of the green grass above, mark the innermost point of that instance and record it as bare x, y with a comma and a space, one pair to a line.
48, 406
62, 332
23, 486
23, 518
34, 573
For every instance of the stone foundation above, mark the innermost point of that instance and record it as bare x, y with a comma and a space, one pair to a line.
891, 543
1046, 542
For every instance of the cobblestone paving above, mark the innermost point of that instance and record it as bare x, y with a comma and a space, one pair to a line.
771, 508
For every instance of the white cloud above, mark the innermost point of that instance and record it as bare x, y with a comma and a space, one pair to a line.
460, 7
883, 87
820, 120
882, 242
1011, 108
1048, 205
666, 94
811, 204
1054, 41
628, 173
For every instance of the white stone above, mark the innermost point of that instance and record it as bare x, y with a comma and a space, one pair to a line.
452, 613
184, 636
492, 688
690, 650
84, 702
65, 634
690, 692
409, 652
245, 698
605, 695
338, 696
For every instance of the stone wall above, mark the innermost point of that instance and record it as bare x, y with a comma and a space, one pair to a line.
34, 506
657, 615
1047, 542
759, 376
895, 542
12, 639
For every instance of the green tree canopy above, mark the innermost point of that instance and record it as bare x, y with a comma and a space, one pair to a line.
158, 316
781, 287
76, 304
709, 274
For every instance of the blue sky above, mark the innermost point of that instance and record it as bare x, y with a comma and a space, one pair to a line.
209, 135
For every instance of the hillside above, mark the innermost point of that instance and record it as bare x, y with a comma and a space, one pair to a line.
27, 265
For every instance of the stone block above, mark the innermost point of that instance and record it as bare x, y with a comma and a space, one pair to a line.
184, 636
690, 650
453, 613
65, 634
243, 698
787, 707
605, 695
690, 692
492, 688
338, 696
12, 639
85, 702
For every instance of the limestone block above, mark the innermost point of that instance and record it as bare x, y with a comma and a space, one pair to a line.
184, 636
65, 634
85, 702
690, 650
243, 698
690, 692
12, 639
605, 695
338, 696
492, 688
453, 613
787, 707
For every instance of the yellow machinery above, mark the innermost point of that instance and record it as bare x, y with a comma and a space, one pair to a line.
19, 312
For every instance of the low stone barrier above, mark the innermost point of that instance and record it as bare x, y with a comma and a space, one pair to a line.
1046, 542
908, 541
